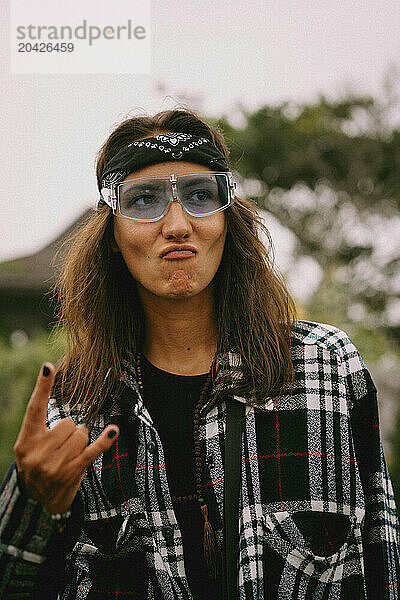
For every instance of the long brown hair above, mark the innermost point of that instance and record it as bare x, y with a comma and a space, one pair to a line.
103, 316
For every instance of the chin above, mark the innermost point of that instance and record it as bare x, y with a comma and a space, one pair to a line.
179, 283
180, 292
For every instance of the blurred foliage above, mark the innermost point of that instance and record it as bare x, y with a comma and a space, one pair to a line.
19, 370
330, 172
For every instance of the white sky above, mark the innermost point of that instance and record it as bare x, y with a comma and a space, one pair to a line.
213, 55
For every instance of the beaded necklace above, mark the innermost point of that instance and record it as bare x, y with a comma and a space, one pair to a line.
209, 538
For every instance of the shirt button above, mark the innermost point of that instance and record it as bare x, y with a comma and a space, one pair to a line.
210, 460
151, 447
168, 532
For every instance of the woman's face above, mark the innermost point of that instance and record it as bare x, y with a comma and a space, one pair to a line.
143, 245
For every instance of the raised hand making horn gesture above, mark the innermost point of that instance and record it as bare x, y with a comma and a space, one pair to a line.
52, 463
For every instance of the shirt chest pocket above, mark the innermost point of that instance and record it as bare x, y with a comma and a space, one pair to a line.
115, 536
321, 545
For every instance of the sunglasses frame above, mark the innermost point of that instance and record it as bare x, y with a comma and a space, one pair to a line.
111, 195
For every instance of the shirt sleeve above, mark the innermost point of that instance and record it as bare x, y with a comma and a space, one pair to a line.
29, 542
380, 535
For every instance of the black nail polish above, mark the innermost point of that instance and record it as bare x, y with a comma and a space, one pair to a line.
46, 371
112, 433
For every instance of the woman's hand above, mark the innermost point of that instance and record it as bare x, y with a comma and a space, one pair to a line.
52, 463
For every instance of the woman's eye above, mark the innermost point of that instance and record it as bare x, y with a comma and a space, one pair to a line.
140, 200
199, 196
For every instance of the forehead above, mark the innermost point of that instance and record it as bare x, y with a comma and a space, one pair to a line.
165, 169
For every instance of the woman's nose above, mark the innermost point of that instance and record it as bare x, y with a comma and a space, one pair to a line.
176, 221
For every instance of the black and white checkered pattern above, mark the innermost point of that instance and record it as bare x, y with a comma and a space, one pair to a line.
317, 512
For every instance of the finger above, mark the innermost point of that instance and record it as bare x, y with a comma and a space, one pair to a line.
58, 462
74, 445
103, 443
36, 410
61, 432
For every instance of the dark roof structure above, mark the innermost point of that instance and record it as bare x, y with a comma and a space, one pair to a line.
35, 272
25, 283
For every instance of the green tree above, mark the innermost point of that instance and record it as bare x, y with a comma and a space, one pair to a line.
330, 172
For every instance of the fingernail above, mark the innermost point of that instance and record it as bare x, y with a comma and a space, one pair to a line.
112, 433
46, 371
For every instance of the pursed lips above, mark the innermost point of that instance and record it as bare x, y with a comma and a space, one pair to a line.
173, 251
179, 254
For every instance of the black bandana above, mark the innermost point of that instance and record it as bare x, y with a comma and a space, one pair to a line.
161, 148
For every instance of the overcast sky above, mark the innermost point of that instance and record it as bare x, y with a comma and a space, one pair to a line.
212, 55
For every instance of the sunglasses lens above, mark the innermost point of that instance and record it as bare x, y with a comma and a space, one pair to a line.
147, 199
203, 194
144, 199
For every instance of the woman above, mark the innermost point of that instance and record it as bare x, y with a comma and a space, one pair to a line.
174, 315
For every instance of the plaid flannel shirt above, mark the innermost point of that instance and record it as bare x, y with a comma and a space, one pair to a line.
317, 516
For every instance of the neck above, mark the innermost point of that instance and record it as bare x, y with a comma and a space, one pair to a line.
181, 334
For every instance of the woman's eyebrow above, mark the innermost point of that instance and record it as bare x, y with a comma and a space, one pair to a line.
142, 185
195, 180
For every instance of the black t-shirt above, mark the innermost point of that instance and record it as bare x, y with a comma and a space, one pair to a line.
170, 400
